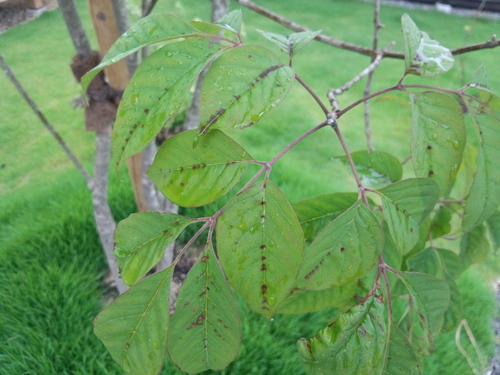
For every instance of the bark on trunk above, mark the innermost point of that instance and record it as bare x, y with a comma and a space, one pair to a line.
104, 219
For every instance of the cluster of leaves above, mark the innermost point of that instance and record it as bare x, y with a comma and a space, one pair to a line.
362, 252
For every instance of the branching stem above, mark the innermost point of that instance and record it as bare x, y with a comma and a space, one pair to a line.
313, 94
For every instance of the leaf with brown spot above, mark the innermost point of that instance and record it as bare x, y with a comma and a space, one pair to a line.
205, 332
147, 102
238, 91
345, 250
201, 175
263, 266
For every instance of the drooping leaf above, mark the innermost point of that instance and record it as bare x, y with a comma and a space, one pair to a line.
429, 299
438, 137
293, 43
441, 222
260, 245
241, 86
156, 92
474, 246
148, 30
141, 240
455, 311
484, 196
480, 79
376, 168
232, 21
316, 212
345, 250
196, 176
494, 229
353, 345
304, 301
406, 204
426, 261
423, 55
134, 327
450, 262
205, 331
401, 359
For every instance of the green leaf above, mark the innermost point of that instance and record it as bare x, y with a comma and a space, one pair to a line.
205, 331
376, 168
148, 30
455, 311
354, 344
134, 327
494, 229
406, 204
429, 299
480, 79
260, 245
441, 222
293, 43
304, 301
423, 55
474, 246
438, 137
484, 196
157, 91
232, 21
344, 251
141, 240
426, 261
196, 176
241, 86
451, 263
316, 212
400, 359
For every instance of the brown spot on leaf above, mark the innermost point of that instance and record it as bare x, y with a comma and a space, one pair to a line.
429, 147
264, 267
146, 111
263, 246
430, 173
269, 70
263, 289
198, 322
204, 259
342, 249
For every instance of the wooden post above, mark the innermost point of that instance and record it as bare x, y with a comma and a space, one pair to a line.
118, 76
35, 4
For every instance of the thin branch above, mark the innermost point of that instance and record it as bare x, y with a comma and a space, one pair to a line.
368, 70
361, 188
492, 43
368, 88
45, 122
313, 94
148, 8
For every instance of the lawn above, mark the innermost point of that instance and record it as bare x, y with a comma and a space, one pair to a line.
51, 266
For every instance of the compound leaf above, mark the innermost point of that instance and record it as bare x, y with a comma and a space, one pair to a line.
141, 240
260, 245
345, 250
353, 345
196, 176
423, 55
205, 331
134, 327
148, 30
241, 86
406, 204
438, 137
316, 212
156, 92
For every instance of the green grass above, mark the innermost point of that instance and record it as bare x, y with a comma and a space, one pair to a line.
51, 264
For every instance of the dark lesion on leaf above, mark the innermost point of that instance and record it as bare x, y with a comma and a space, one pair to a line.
316, 268
198, 322
269, 70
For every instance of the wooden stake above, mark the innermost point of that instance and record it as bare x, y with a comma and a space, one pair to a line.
107, 33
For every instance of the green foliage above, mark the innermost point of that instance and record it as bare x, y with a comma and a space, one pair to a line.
354, 240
